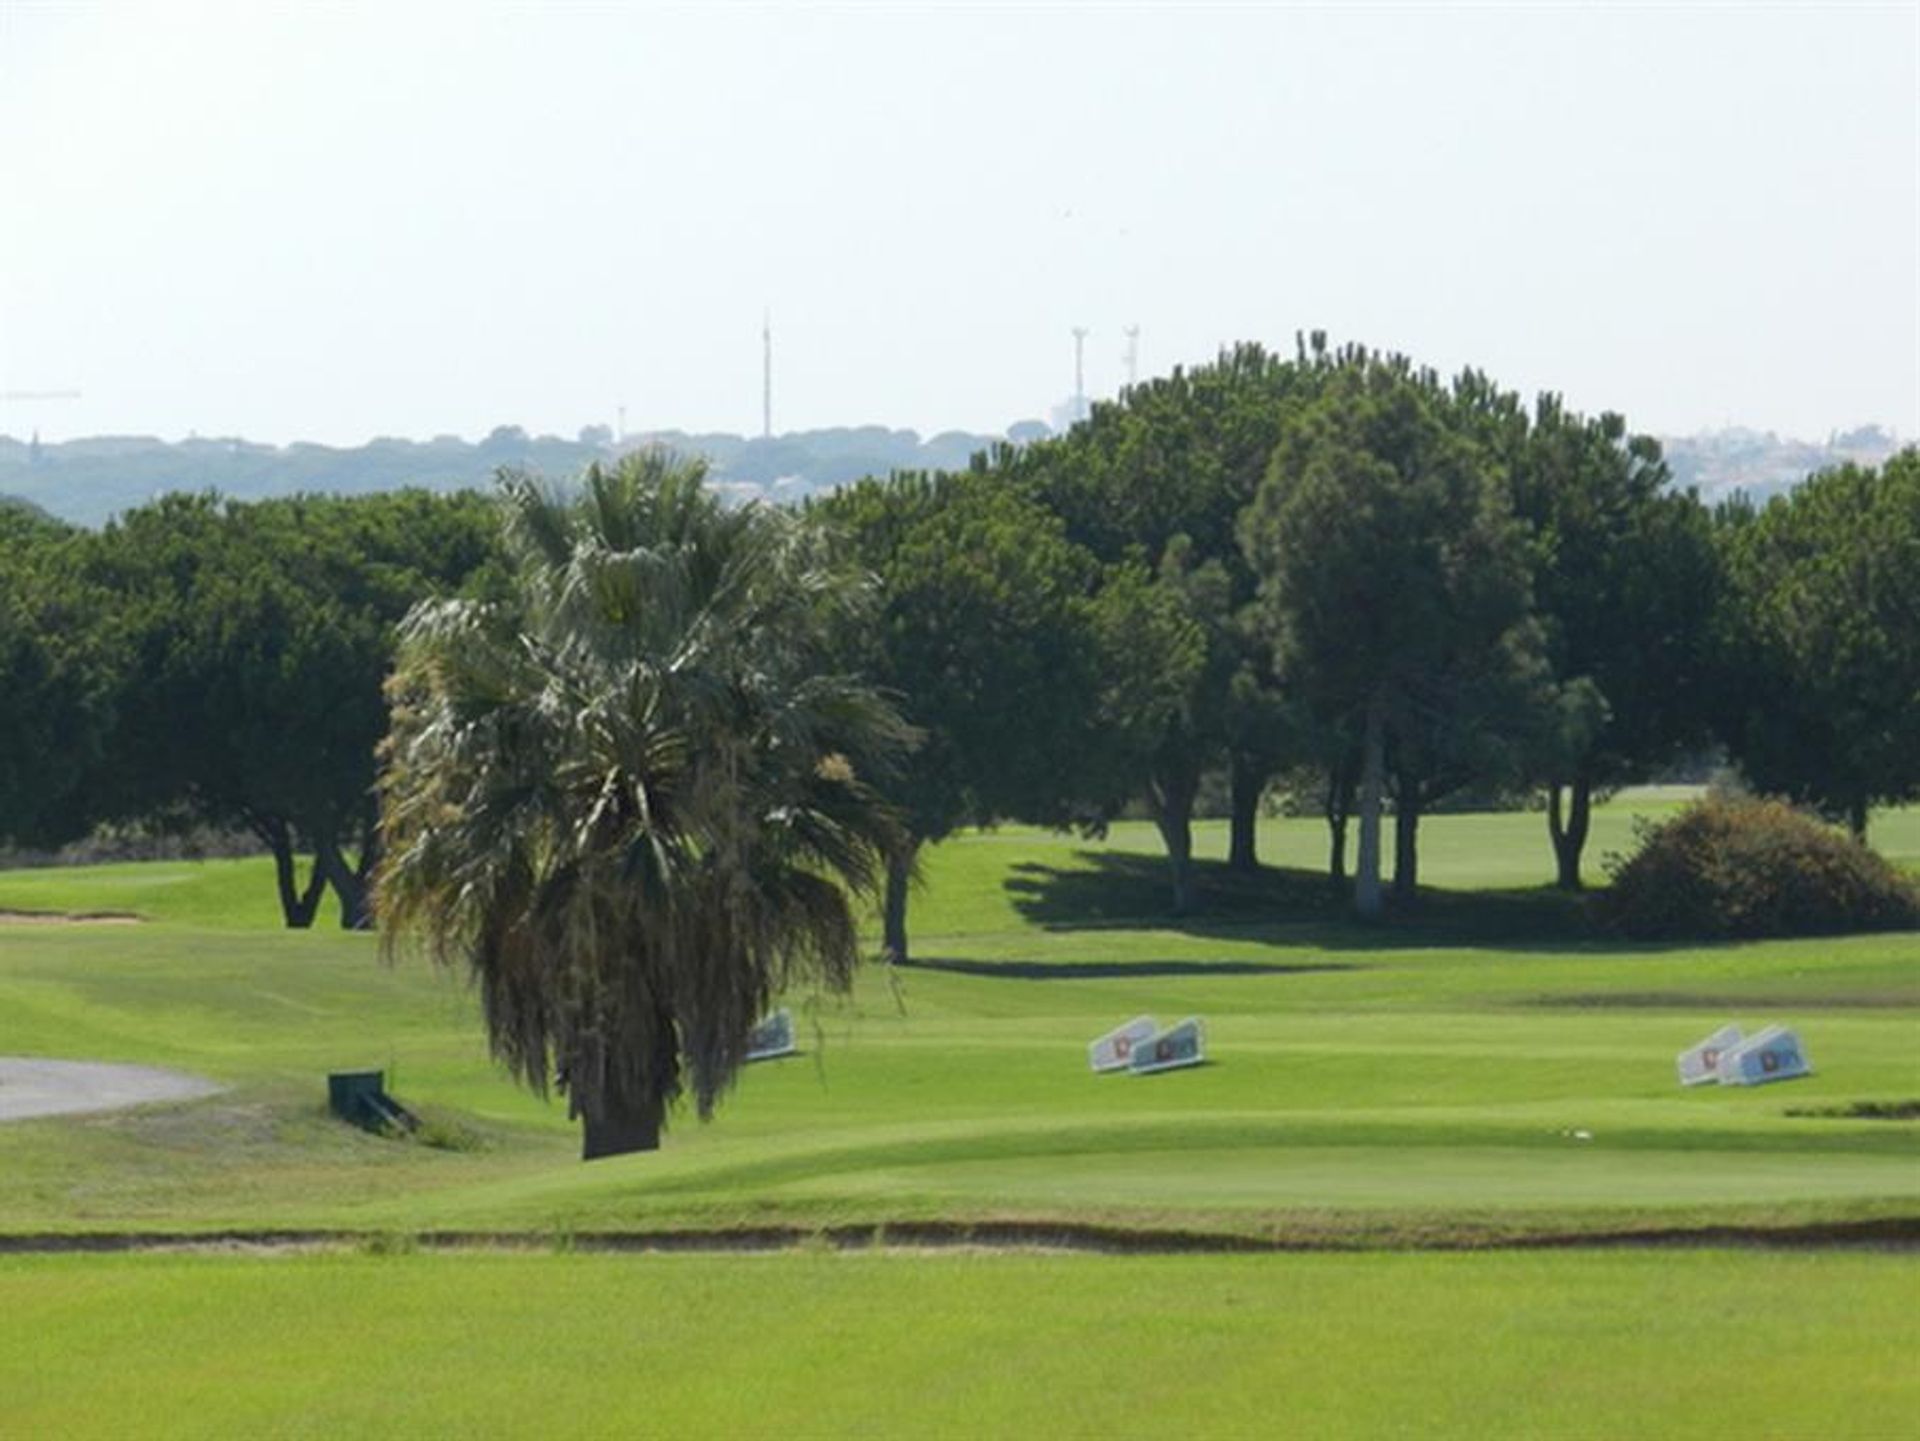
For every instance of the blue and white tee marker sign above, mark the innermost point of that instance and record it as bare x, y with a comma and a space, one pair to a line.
1182, 1044
1114, 1051
1699, 1064
1774, 1054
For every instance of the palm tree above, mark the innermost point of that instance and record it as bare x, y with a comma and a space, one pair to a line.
633, 800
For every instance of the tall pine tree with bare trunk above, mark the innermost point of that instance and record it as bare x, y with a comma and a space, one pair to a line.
1396, 586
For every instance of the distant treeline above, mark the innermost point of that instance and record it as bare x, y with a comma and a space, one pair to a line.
88, 481
1335, 574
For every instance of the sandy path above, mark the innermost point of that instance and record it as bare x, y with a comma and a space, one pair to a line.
54, 1088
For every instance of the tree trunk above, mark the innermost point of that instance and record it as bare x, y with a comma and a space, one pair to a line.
1857, 818
1406, 845
350, 883
363, 870
296, 905
894, 906
1570, 833
1366, 880
1173, 813
620, 1111
1247, 781
1337, 849
613, 1130
355, 896
1338, 810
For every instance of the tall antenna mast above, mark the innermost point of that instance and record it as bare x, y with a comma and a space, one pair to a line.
1132, 332
1079, 372
766, 374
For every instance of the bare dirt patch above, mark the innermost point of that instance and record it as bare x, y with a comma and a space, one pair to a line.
34, 1087
66, 918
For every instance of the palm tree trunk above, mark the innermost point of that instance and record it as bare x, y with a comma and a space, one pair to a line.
613, 1130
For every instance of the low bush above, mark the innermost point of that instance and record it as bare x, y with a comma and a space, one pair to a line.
440, 1133
1730, 867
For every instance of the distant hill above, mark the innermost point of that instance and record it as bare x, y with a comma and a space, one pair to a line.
87, 481
1721, 463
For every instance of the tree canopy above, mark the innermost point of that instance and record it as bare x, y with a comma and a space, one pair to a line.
986, 630
250, 645
1159, 479
1821, 678
1390, 591
1626, 581
52, 708
1396, 584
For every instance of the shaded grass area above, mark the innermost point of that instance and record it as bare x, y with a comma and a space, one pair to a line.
979, 881
1107, 890
1908, 1110
900, 1344
1109, 970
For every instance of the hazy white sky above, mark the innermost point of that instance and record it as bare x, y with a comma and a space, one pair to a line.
332, 222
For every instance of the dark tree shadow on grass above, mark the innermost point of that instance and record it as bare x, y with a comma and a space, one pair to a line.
1110, 970
1121, 891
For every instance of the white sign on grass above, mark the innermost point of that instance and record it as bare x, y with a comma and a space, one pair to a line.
1774, 1054
772, 1037
1182, 1044
1114, 1051
1699, 1065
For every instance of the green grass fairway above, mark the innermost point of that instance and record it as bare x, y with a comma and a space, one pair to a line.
1488, 1072
1698, 1343
1491, 1069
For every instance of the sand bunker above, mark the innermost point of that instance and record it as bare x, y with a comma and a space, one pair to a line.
61, 918
56, 1088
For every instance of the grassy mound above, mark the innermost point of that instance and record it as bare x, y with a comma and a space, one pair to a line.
1746, 869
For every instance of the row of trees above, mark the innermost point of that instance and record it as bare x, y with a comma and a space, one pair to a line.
1333, 571
202, 663
1382, 588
